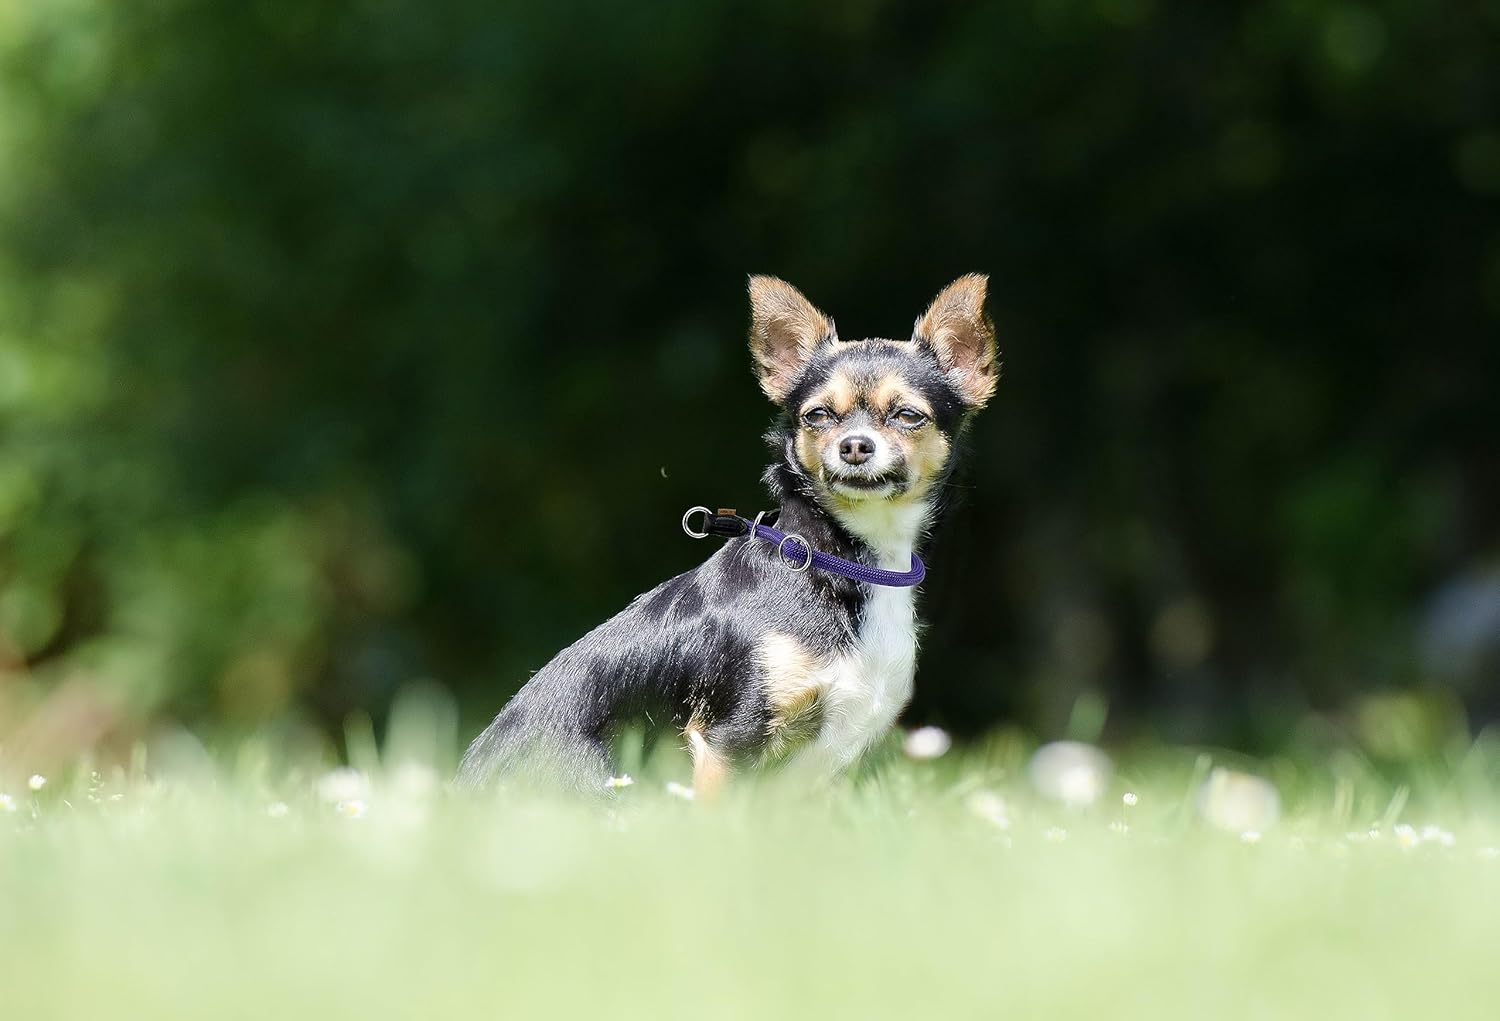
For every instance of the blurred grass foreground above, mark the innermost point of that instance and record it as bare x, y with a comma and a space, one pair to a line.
997, 881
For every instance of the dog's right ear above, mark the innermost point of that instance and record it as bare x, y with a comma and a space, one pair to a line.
785, 330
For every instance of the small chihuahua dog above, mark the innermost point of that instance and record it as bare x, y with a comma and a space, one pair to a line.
751, 656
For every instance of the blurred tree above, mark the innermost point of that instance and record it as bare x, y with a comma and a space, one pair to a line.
342, 344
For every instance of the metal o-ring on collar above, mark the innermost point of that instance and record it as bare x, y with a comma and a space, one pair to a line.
755, 526
707, 516
792, 564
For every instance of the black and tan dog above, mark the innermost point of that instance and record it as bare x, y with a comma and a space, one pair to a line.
746, 657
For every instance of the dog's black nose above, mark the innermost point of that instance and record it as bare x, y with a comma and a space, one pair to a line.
856, 449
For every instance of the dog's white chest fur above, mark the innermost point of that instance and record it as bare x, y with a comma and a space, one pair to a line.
865, 688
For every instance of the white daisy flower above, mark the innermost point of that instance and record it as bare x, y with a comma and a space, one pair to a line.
1432, 834
1070, 771
682, 791
927, 743
37, 781
1238, 802
616, 782
351, 809
990, 807
343, 784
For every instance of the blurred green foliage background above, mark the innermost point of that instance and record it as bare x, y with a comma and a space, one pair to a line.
349, 345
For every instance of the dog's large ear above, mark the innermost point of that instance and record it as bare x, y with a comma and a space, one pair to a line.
785, 330
962, 337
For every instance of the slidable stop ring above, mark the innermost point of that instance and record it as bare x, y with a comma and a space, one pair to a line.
795, 567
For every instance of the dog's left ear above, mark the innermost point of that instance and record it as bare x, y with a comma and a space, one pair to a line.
962, 337
785, 330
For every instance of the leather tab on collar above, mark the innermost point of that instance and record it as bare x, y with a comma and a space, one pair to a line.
726, 523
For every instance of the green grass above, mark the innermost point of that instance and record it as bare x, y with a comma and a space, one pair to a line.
939, 889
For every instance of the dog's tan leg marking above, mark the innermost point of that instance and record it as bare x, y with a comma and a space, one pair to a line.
795, 724
786, 668
789, 673
709, 767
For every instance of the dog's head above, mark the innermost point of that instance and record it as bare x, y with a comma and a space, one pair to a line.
872, 420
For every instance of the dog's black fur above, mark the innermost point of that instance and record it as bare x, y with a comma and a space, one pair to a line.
696, 651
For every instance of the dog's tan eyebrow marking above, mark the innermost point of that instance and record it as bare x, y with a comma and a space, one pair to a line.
838, 395
893, 391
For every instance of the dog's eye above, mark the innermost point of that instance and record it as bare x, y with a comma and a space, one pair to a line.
817, 416
910, 417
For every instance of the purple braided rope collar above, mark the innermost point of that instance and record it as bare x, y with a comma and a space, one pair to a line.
799, 555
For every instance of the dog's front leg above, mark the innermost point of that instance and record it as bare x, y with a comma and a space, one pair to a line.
854, 719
